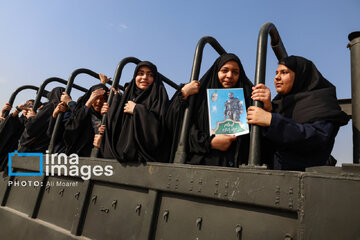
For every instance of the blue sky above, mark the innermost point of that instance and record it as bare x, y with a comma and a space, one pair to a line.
42, 39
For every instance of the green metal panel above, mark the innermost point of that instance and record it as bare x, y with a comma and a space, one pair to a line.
60, 201
115, 212
182, 217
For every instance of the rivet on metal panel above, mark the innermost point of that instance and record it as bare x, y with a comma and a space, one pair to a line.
166, 215
47, 189
226, 193
77, 195
238, 230
200, 181
138, 209
199, 222
288, 237
61, 192
93, 199
105, 210
226, 184
114, 203
216, 182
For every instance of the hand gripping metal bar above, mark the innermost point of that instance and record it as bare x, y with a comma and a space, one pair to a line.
280, 52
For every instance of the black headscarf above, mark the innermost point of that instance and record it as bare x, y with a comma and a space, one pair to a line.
79, 132
137, 137
201, 117
34, 137
311, 98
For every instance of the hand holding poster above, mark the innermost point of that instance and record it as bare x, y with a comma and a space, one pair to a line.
227, 111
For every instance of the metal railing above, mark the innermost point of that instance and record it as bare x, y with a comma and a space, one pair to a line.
280, 52
15, 93
181, 154
45, 83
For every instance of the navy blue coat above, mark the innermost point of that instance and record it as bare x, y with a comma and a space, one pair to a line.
297, 146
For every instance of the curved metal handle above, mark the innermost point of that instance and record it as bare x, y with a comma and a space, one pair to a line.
16, 92
181, 154
280, 52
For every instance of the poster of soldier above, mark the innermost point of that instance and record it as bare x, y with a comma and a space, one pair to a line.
227, 111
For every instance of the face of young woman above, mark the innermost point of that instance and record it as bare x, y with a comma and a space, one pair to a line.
98, 103
284, 79
229, 74
144, 77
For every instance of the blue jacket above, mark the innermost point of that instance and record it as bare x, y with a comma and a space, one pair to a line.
297, 146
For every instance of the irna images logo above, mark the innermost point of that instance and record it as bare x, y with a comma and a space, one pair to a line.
61, 165
40, 155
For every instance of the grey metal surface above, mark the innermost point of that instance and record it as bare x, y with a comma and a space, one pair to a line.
354, 46
176, 201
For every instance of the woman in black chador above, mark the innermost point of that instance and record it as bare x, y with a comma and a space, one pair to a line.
220, 150
85, 121
11, 129
303, 119
34, 138
134, 130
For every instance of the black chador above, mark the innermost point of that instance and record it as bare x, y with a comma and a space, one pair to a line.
199, 137
138, 137
10, 131
34, 137
82, 125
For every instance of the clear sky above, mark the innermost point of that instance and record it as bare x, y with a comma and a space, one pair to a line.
42, 39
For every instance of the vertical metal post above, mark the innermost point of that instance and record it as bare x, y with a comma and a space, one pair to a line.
280, 52
181, 155
354, 46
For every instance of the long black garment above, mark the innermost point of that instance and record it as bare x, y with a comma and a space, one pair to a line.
79, 128
34, 137
138, 137
306, 120
10, 131
199, 137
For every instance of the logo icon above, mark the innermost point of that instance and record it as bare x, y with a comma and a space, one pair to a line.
15, 153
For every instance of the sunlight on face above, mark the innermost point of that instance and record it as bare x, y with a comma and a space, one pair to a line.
284, 79
144, 77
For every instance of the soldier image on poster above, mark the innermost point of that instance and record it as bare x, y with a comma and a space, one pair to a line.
233, 108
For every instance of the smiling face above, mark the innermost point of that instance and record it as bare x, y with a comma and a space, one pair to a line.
229, 74
284, 79
144, 77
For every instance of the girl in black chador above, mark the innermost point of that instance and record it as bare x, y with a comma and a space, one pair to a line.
134, 130
302, 120
85, 121
11, 129
220, 150
35, 138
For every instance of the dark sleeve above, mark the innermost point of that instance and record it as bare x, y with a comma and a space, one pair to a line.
199, 141
39, 123
174, 120
76, 125
286, 133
